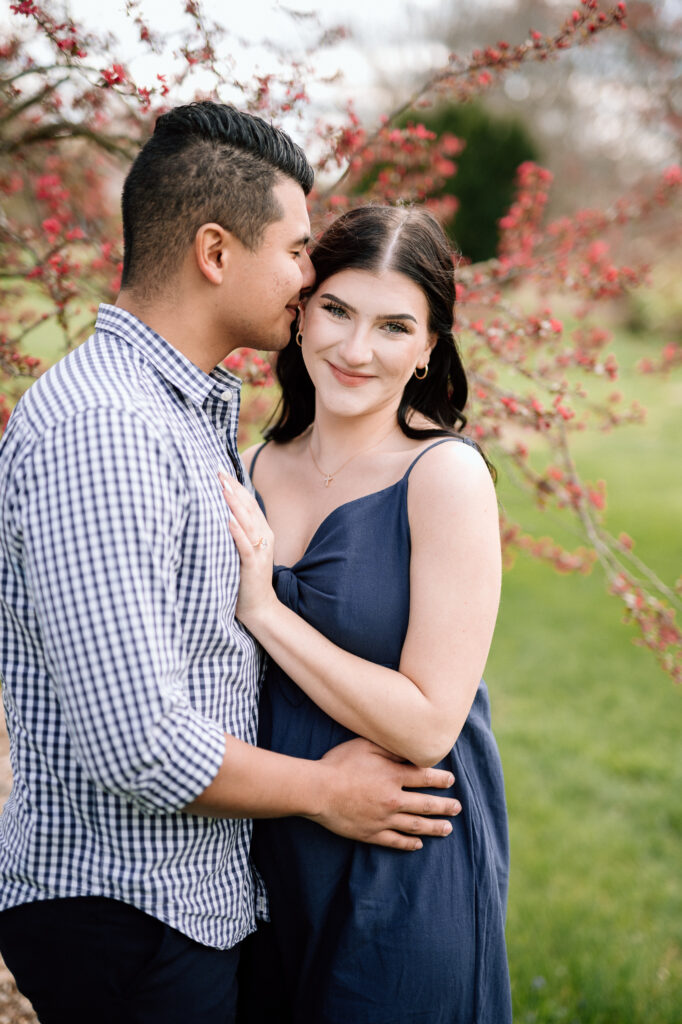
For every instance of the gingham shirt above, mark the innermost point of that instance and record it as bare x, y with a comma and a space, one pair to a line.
121, 659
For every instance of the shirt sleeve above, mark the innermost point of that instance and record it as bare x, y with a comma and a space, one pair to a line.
104, 503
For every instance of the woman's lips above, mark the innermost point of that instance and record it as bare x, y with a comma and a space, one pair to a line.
350, 380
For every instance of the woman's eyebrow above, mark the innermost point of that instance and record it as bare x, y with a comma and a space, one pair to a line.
383, 316
335, 298
397, 316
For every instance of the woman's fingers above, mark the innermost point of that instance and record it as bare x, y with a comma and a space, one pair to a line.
249, 549
237, 490
245, 510
236, 496
241, 539
254, 541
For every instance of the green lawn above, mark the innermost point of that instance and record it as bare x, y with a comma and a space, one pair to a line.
589, 730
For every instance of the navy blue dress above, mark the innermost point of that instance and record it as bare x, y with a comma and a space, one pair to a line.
361, 934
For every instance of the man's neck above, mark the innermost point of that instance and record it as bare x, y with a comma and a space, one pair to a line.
179, 323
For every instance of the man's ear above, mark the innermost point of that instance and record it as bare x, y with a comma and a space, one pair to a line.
211, 251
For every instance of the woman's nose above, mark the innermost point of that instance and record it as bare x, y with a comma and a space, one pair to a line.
355, 347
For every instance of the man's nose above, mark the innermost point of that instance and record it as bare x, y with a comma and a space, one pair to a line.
307, 272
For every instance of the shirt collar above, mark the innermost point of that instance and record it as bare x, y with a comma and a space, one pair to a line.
170, 363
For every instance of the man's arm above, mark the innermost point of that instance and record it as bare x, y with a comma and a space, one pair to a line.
103, 509
355, 790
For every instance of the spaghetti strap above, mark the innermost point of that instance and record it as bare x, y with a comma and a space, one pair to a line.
442, 440
256, 457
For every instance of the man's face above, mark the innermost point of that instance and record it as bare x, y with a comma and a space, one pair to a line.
263, 288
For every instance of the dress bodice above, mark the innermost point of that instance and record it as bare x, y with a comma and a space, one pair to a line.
335, 585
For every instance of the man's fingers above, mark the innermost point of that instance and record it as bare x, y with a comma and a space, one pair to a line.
397, 841
427, 778
410, 829
415, 825
423, 804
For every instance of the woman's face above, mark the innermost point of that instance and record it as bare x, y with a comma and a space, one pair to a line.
363, 336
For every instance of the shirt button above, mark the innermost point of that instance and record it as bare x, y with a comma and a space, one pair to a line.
226, 396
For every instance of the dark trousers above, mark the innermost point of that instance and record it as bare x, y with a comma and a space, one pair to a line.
90, 960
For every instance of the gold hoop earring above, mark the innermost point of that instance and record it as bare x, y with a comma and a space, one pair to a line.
421, 376
299, 339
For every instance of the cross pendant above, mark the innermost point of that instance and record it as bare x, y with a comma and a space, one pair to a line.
328, 479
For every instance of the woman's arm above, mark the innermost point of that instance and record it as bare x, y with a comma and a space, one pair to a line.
418, 711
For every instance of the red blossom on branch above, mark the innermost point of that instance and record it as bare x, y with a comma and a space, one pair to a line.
114, 75
251, 367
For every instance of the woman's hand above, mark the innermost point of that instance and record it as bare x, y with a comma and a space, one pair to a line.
254, 540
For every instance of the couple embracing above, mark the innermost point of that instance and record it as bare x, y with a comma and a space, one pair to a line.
226, 706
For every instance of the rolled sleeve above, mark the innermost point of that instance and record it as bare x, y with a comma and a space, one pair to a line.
104, 502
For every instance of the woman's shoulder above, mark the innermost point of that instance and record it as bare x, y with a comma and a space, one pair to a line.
455, 450
450, 470
270, 455
251, 453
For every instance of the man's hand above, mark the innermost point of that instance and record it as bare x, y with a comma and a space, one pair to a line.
356, 790
368, 800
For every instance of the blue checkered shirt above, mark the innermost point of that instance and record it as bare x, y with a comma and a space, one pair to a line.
121, 660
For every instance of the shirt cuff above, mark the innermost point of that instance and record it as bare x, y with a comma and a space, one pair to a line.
194, 757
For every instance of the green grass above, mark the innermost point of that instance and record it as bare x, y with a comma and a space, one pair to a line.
589, 729
589, 732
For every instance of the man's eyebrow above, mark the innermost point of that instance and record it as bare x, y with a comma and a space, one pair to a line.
302, 241
383, 316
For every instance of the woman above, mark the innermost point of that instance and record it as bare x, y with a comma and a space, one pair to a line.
384, 527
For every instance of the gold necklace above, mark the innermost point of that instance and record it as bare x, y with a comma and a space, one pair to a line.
328, 477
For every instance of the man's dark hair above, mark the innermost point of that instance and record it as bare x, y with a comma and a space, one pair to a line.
206, 162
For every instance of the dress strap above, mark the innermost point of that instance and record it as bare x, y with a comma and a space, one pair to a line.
256, 457
442, 440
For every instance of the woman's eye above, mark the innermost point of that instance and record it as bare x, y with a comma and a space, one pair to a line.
394, 327
337, 311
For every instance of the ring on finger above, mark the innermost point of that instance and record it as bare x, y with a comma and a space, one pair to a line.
260, 543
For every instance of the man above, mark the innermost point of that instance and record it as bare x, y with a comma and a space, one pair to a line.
130, 689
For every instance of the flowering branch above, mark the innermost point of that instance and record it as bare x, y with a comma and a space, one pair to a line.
74, 119
461, 79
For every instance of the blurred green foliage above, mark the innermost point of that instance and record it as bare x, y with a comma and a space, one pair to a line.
486, 168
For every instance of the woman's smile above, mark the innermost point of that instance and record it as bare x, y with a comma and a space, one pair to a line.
347, 377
